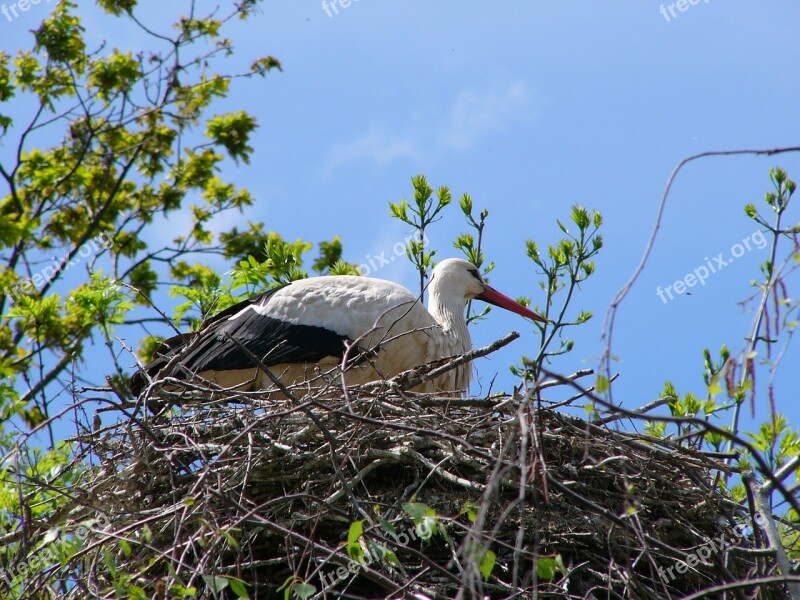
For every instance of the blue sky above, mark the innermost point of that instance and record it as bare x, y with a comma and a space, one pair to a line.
529, 107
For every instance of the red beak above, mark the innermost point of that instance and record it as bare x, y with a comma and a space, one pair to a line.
492, 296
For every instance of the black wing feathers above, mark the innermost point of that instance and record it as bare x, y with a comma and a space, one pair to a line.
274, 341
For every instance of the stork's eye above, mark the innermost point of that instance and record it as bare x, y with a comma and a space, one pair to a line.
476, 275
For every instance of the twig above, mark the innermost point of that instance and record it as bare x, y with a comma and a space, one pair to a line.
735, 585
785, 471
761, 498
413, 378
639, 411
611, 315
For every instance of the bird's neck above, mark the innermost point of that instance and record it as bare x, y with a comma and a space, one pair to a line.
449, 314
455, 339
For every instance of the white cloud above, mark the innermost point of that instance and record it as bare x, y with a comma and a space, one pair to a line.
376, 147
473, 114
476, 113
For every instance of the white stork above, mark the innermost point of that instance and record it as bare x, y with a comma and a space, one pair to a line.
303, 329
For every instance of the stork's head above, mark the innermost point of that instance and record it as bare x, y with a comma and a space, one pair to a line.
456, 277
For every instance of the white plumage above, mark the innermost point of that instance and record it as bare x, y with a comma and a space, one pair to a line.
302, 332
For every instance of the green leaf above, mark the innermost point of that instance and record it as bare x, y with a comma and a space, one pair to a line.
217, 583
387, 526
239, 587
416, 510
354, 549
426, 521
547, 567
714, 387
230, 539
117, 7
487, 564
399, 211
262, 66
471, 510
294, 585
288, 585
580, 216
466, 204
232, 132
426, 527
304, 590
134, 591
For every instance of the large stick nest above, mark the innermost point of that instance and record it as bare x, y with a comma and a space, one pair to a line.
226, 485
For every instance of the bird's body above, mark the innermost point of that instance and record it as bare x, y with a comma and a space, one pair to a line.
304, 330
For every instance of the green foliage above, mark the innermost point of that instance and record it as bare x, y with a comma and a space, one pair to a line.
285, 258
689, 405
136, 145
202, 294
232, 132
420, 215
118, 7
471, 510
567, 264
330, 259
426, 521
294, 586
730, 380
776, 440
354, 549
790, 534
218, 584
471, 246
131, 151
101, 302
486, 564
547, 567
